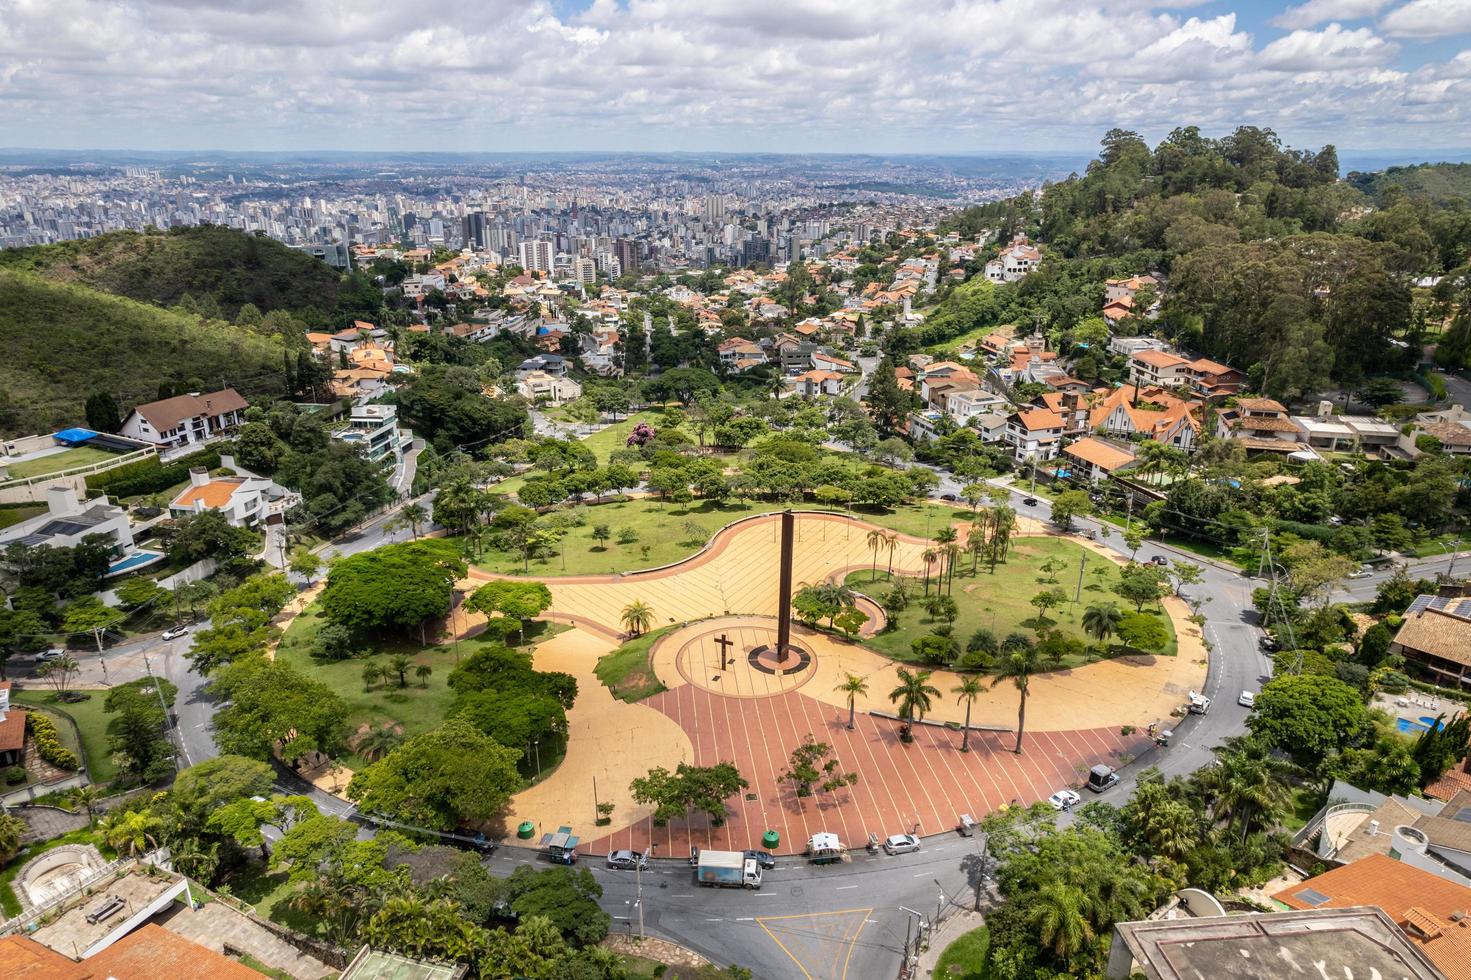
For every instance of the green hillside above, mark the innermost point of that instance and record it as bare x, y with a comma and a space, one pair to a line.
62, 342
231, 267
1439, 182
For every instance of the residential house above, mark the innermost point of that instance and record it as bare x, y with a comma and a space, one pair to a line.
1357, 943
539, 386
69, 520
816, 382
475, 332
1454, 437
1435, 640
1034, 433
739, 354
186, 419
374, 430
1326, 432
1114, 289
1072, 406
12, 730
964, 404
1428, 909
553, 364
245, 501
1205, 378
1014, 262
825, 361
1093, 459
1147, 413
1129, 346
1261, 424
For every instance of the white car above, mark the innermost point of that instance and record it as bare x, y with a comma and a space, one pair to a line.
175, 633
901, 844
46, 656
627, 860
1064, 799
1361, 573
1247, 699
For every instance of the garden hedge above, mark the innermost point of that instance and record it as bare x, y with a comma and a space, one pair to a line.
48, 743
149, 475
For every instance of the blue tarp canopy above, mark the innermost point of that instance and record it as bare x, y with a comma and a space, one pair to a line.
71, 437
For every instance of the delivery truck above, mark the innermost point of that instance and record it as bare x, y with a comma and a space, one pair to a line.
727, 869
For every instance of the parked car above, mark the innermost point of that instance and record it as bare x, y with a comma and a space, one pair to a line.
1247, 699
948, 496
627, 861
46, 656
1361, 572
1158, 560
1269, 644
1030, 501
763, 859
1064, 799
901, 844
1101, 777
175, 632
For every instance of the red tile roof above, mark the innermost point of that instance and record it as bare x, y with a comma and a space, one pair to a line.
153, 952
22, 958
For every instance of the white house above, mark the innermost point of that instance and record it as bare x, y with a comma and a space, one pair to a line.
244, 500
374, 429
1034, 434
68, 520
185, 419
539, 385
1014, 262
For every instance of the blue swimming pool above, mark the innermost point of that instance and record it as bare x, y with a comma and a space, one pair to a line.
1406, 725
134, 561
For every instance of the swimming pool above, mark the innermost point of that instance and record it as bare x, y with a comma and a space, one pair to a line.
1423, 725
133, 562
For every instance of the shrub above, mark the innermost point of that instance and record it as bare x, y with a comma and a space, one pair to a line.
14, 776
149, 475
48, 743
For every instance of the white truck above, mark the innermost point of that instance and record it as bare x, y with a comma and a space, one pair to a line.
727, 869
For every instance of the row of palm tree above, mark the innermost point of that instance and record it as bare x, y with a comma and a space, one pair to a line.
399, 666
914, 695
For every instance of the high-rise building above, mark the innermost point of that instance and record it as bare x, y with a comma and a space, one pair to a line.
476, 228
715, 208
585, 271
626, 251
536, 255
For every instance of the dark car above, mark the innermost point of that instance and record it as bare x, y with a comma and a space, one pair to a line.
1030, 501
1159, 560
763, 859
948, 496
1269, 644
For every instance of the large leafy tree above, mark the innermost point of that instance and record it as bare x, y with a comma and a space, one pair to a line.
517, 600
448, 777
206, 786
700, 788
135, 731
395, 587
274, 707
1308, 716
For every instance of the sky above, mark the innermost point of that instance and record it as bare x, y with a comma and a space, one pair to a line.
883, 76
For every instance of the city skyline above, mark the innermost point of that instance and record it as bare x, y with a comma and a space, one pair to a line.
805, 77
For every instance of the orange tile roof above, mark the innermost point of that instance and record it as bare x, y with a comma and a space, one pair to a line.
153, 951
1454, 780
1099, 453
214, 494
1159, 358
1039, 418
1419, 902
22, 958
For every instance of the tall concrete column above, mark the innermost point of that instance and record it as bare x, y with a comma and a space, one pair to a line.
784, 589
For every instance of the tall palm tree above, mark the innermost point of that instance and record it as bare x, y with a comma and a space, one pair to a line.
852, 686
929, 556
1057, 915
969, 689
891, 541
1003, 527
1018, 665
975, 539
132, 832
86, 798
952, 554
413, 515
876, 539
1100, 621
400, 665
637, 617
914, 696
1247, 786
378, 743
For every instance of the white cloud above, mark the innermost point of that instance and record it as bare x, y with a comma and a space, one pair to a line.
880, 75
1333, 48
1429, 18
1316, 12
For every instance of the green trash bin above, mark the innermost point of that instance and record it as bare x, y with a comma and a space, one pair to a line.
525, 831
770, 839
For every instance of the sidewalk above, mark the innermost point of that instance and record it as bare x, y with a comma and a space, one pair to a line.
952, 928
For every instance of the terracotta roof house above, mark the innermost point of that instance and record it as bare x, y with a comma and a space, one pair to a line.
244, 500
1434, 913
153, 952
12, 729
185, 419
1435, 640
1092, 459
1034, 433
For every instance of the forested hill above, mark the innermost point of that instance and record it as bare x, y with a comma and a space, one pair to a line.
1439, 182
219, 268
64, 342
1270, 262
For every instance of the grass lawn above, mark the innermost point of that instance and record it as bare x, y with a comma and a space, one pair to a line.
11, 515
90, 719
415, 708
1304, 805
668, 532
965, 959
1001, 602
627, 671
56, 462
9, 904
604, 441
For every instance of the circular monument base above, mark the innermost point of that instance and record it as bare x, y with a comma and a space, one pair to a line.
767, 659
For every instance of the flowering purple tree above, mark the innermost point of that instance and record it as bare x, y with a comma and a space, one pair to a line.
641, 435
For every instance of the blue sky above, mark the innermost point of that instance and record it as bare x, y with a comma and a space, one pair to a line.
771, 75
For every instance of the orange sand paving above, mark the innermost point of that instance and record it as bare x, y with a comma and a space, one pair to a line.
611, 742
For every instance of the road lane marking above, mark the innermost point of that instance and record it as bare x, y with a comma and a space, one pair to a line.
843, 888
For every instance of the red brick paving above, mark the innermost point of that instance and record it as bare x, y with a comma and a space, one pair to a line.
927, 784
